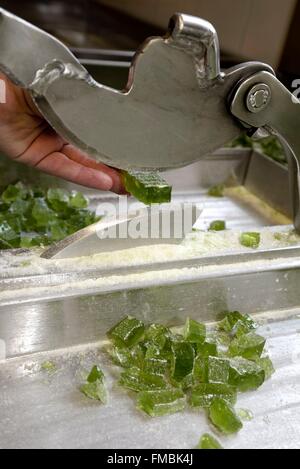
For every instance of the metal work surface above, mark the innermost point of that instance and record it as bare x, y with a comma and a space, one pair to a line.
43, 410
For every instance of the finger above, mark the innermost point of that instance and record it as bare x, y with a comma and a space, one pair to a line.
77, 155
58, 164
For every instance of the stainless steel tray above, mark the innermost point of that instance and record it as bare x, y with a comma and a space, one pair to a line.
61, 311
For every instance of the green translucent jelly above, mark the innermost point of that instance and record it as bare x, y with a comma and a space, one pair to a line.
224, 417
159, 403
217, 225
248, 346
208, 348
127, 332
235, 319
217, 370
95, 375
157, 335
139, 380
147, 186
194, 331
217, 191
183, 357
250, 240
266, 364
95, 388
245, 375
203, 394
35, 216
209, 442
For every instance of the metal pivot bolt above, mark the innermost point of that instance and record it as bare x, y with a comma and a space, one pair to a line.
258, 98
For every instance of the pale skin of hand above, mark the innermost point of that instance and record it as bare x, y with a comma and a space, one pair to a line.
26, 137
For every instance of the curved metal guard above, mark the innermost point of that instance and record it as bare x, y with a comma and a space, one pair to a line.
172, 112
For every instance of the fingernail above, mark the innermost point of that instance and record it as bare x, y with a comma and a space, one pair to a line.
105, 181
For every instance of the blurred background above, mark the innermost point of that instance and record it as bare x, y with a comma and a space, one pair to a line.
104, 33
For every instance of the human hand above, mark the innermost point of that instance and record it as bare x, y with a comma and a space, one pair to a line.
26, 137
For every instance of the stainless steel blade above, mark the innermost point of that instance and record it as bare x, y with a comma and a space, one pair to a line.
152, 226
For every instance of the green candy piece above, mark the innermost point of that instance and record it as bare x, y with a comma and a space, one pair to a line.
38, 217
224, 417
194, 332
248, 346
217, 370
127, 332
217, 225
42, 214
58, 199
266, 364
209, 442
159, 403
49, 367
5, 244
234, 320
8, 235
200, 370
182, 363
217, 191
208, 348
250, 240
78, 200
157, 335
94, 388
95, 391
203, 394
147, 186
13, 193
245, 375
139, 380
127, 358
155, 362
95, 375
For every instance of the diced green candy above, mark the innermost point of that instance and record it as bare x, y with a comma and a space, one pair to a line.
35, 217
127, 332
49, 367
217, 225
139, 380
13, 193
217, 191
248, 346
224, 417
200, 370
194, 332
157, 335
266, 364
217, 370
95, 375
159, 403
147, 186
208, 348
203, 394
245, 375
234, 320
58, 199
209, 442
208, 368
154, 361
95, 391
78, 200
250, 240
95, 388
182, 360
127, 358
